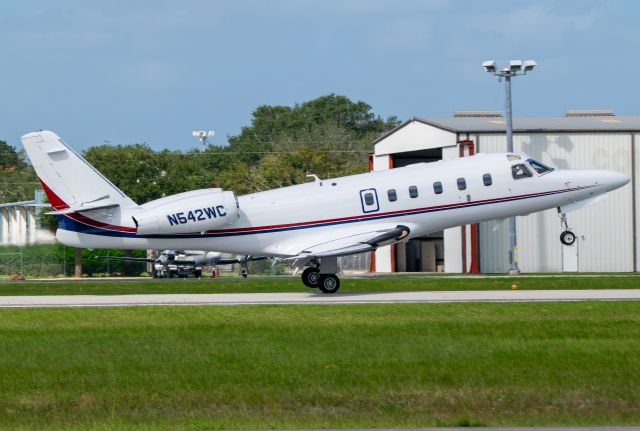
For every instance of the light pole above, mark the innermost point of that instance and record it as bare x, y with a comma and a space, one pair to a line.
515, 68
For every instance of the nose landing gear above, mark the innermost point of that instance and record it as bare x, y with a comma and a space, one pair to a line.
566, 237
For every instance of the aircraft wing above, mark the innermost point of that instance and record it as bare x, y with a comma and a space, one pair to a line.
239, 259
132, 259
346, 242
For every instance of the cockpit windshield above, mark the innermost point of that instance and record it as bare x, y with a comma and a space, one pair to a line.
540, 168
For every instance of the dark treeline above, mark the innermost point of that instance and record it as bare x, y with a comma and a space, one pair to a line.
328, 136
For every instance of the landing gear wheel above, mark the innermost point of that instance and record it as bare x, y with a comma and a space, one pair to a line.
197, 274
311, 277
329, 283
567, 237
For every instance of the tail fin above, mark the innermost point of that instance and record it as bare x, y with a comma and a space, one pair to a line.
70, 182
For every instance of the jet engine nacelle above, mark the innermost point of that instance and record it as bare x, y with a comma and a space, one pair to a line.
190, 212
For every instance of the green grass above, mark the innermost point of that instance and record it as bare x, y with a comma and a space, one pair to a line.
290, 284
401, 365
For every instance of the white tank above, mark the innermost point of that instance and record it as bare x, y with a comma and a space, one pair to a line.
196, 211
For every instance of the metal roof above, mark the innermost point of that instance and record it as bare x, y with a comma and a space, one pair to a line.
493, 124
604, 123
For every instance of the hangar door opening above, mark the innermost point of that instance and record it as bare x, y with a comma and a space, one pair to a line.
425, 253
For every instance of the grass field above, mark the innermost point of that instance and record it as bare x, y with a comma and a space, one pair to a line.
408, 365
293, 284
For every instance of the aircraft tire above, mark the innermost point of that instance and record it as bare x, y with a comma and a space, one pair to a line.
311, 277
329, 283
567, 237
197, 274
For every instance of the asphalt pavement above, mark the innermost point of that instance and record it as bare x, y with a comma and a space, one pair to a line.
314, 297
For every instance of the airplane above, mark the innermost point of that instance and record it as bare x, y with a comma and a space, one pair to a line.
185, 262
309, 225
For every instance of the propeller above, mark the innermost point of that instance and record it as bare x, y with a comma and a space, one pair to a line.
244, 263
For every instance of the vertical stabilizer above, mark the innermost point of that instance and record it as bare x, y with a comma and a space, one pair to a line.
69, 181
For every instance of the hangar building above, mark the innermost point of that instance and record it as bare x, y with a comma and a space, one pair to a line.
581, 139
20, 222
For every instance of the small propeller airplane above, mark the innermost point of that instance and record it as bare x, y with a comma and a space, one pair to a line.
309, 225
185, 262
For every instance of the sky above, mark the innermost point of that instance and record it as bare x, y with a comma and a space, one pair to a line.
153, 71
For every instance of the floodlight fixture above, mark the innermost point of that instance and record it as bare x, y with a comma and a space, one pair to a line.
515, 65
529, 65
202, 135
489, 66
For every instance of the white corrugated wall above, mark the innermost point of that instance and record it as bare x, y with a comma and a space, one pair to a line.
637, 196
605, 230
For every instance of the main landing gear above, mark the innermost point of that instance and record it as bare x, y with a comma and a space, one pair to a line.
566, 237
311, 277
315, 276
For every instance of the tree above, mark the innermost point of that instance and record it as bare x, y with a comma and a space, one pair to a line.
329, 136
17, 179
9, 157
144, 174
271, 125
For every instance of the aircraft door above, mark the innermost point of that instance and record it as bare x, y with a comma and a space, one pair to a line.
369, 200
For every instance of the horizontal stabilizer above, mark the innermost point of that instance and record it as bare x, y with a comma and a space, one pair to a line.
81, 208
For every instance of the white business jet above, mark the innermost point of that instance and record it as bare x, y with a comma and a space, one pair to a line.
308, 225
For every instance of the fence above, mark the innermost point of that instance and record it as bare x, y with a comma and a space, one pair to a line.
57, 260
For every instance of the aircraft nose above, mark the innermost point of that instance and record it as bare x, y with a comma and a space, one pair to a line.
612, 180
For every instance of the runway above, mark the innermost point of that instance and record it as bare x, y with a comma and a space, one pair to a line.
318, 298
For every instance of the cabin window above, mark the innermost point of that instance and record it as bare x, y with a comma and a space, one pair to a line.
462, 184
437, 187
368, 198
392, 195
413, 192
540, 168
486, 179
520, 171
